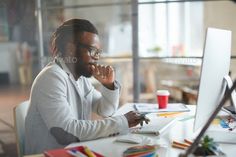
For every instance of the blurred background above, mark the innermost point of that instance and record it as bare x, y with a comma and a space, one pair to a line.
153, 44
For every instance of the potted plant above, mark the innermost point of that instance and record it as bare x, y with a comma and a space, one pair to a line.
209, 148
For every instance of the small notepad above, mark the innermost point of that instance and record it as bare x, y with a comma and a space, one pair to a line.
150, 108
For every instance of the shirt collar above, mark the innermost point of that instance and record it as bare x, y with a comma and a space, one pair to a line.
60, 61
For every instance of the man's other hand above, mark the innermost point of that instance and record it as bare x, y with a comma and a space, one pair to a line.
104, 74
133, 118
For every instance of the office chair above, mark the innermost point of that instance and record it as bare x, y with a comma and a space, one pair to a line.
20, 112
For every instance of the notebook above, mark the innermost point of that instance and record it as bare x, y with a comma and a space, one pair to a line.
157, 126
63, 152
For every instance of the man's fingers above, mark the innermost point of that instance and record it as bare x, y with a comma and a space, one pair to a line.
99, 67
109, 70
141, 123
93, 68
100, 71
96, 70
104, 74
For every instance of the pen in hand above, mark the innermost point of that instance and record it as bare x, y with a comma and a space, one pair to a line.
144, 118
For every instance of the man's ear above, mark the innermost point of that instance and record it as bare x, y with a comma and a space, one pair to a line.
70, 49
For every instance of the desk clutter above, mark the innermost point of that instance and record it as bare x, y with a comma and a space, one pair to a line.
141, 151
81, 151
206, 147
223, 125
153, 108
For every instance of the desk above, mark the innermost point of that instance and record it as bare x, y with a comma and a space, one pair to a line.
180, 130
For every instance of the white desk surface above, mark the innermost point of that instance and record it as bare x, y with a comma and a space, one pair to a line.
180, 130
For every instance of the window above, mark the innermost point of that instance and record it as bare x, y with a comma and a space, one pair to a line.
171, 29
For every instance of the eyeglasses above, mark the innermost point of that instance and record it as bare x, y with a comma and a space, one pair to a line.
94, 52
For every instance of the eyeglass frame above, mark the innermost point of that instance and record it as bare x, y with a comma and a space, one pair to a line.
93, 51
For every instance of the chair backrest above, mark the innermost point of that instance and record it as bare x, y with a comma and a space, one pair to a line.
20, 112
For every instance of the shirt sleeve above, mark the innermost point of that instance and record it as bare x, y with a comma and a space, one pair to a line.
54, 109
106, 102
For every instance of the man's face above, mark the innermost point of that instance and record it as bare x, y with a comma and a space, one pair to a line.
85, 53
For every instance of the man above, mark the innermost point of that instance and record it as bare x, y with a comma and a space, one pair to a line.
62, 98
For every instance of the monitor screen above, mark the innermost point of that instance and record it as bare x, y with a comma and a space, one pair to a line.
215, 65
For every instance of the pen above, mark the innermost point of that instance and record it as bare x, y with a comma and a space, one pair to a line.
188, 141
76, 153
144, 118
178, 146
168, 114
88, 152
181, 144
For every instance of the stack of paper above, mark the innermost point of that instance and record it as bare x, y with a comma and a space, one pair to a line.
149, 108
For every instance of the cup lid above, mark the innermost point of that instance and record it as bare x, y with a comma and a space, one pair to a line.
163, 92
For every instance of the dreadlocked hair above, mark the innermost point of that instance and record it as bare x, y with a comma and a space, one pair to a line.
69, 31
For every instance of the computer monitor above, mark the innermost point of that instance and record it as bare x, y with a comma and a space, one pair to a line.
215, 66
199, 137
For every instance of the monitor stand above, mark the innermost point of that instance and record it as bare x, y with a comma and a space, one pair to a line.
231, 110
229, 136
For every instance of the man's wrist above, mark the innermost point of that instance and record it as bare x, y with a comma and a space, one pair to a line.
110, 86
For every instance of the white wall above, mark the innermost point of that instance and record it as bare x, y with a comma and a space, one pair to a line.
221, 14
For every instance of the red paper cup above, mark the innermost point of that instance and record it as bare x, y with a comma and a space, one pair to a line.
162, 98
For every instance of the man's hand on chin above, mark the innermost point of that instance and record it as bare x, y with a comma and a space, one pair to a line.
104, 74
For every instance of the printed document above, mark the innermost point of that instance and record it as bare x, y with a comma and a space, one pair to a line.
150, 108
